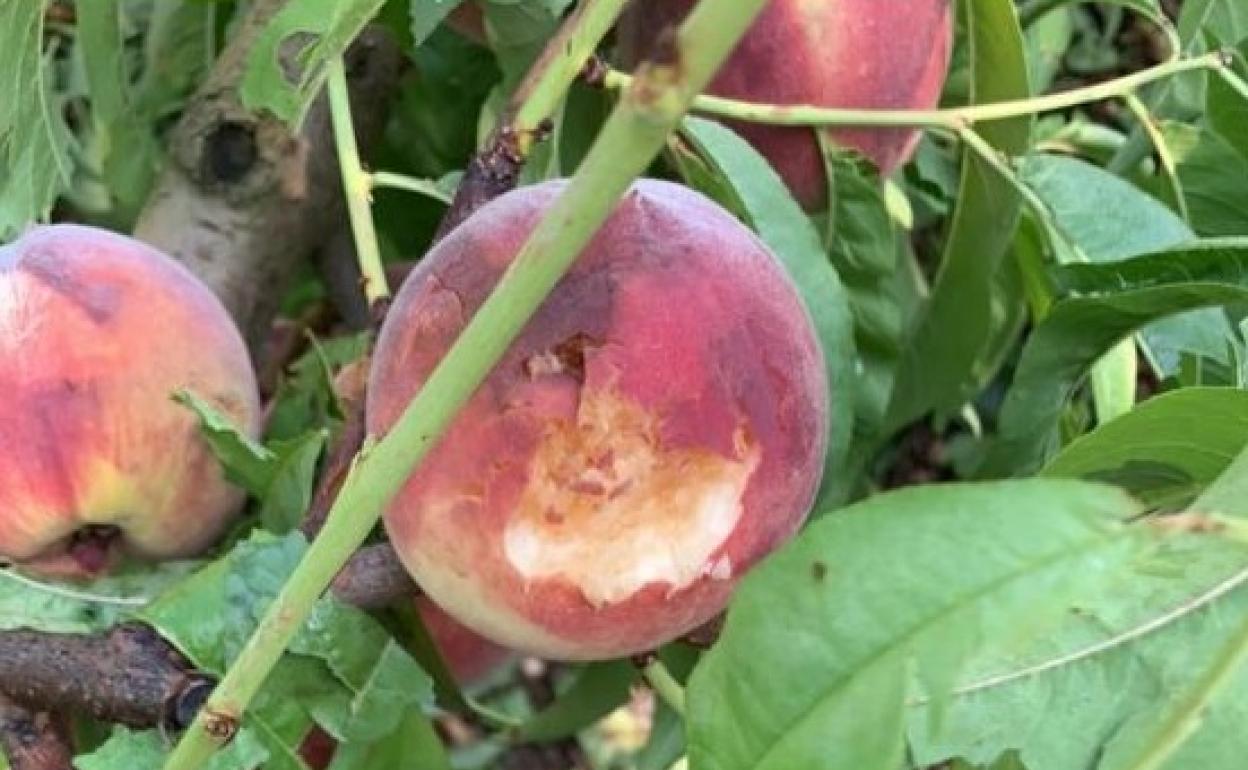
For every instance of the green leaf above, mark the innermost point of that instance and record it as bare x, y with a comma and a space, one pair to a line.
1119, 661
813, 666
35, 163
427, 15
784, 227
292, 481
1147, 743
383, 681
282, 475
121, 144
247, 462
599, 689
937, 371
1226, 21
128, 749
1048, 39
318, 31
81, 608
1226, 496
1124, 223
867, 251
518, 31
1228, 114
1212, 174
178, 51
210, 615
306, 399
1107, 303
341, 667
1166, 450
412, 745
277, 717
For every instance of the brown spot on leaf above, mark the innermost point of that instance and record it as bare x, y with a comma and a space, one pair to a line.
819, 571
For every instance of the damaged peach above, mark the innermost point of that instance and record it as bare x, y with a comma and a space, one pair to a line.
97, 332
656, 429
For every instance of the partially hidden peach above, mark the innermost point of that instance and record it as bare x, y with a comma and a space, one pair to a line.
867, 54
97, 332
656, 429
469, 656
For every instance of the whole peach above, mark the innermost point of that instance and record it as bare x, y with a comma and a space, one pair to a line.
657, 428
876, 54
97, 332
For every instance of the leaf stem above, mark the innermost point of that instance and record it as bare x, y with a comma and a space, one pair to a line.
1169, 165
953, 118
356, 186
633, 135
665, 685
425, 187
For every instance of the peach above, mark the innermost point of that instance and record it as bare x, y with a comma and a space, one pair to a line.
878, 54
97, 332
657, 428
470, 657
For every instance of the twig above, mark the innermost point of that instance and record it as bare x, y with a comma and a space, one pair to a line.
33, 740
129, 676
496, 168
356, 184
954, 118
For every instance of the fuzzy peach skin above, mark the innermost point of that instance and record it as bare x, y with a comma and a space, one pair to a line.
658, 427
877, 54
469, 656
97, 331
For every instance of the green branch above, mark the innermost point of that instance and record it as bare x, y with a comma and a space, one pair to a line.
633, 135
952, 119
561, 63
665, 685
356, 186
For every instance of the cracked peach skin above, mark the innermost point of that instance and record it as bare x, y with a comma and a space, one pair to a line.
97, 331
869, 54
657, 428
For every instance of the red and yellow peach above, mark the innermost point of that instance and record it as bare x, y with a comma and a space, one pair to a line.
469, 656
97, 332
656, 429
868, 54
